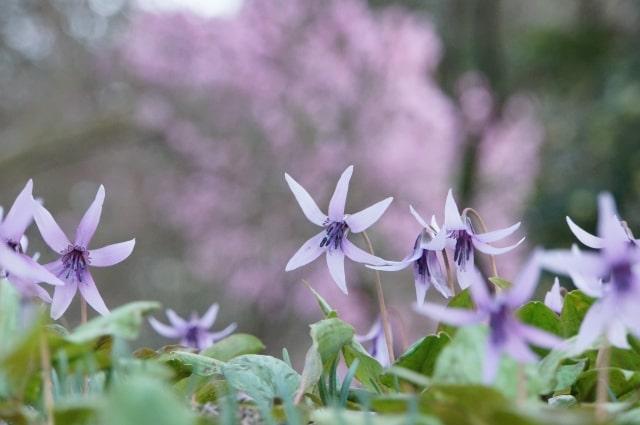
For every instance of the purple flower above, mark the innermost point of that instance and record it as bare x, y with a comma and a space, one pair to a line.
506, 333
427, 269
464, 238
20, 269
553, 298
378, 349
337, 225
611, 274
75, 258
194, 332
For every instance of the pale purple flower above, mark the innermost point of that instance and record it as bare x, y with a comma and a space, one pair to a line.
506, 333
553, 298
75, 258
194, 332
20, 269
337, 225
427, 269
611, 274
464, 238
378, 348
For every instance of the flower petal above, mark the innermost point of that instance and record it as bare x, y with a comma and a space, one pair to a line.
217, 336
306, 202
418, 217
452, 218
62, 296
492, 250
585, 237
592, 327
496, 235
20, 215
164, 330
91, 295
208, 319
438, 243
539, 337
176, 320
452, 316
90, 220
359, 256
617, 335
438, 277
422, 286
375, 331
364, 219
335, 262
339, 198
517, 349
525, 283
111, 254
553, 298
472, 279
49, 229
29, 289
25, 267
492, 356
308, 252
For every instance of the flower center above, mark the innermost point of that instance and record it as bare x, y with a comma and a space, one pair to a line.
621, 276
75, 260
191, 337
336, 231
497, 324
15, 246
464, 246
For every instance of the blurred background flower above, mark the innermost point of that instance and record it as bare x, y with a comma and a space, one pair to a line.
189, 112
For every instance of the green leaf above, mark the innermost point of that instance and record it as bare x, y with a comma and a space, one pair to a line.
461, 300
312, 371
186, 363
9, 316
342, 416
422, 355
500, 282
324, 305
461, 361
263, 378
369, 370
621, 383
233, 346
123, 322
329, 336
575, 307
77, 411
537, 314
139, 400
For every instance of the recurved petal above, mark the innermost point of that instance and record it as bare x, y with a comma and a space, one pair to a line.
111, 254
418, 217
593, 326
518, 349
452, 218
492, 355
339, 198
617, 335
209, 318
49, 229
539, 337
422, 286
90, 220
307, 204
62, 297
585, 237
553, 298
492, 250
335, 262
217, 336
525, 283
496, 235
20, 215
472, 279
25, 267
438, 243
308, 252
164, 330
360, 256
364, 219
91, 295
452, 316
176, 321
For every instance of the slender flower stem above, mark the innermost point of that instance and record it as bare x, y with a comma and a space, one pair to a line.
602, 363
47, 386
483, 229
83, 311
522, 384
404, 340
384, 315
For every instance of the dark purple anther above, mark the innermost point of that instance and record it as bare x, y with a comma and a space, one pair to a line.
336, 231
497, 322
622, 276
464, 246
75, 260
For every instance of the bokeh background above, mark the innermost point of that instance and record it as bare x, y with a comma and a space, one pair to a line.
189, 112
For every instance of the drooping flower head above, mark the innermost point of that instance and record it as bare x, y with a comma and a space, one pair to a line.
506, 333
75, 258
427, 269
378, 344
194, 332
553, 298
464, 238
337, 225
611, 274
20, 269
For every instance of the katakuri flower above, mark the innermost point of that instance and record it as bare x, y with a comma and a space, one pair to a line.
553, 298
464, 238
194, 332
17, 267
378, 348
427, 269
611, 274
337, 225
506, 333
75, 258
